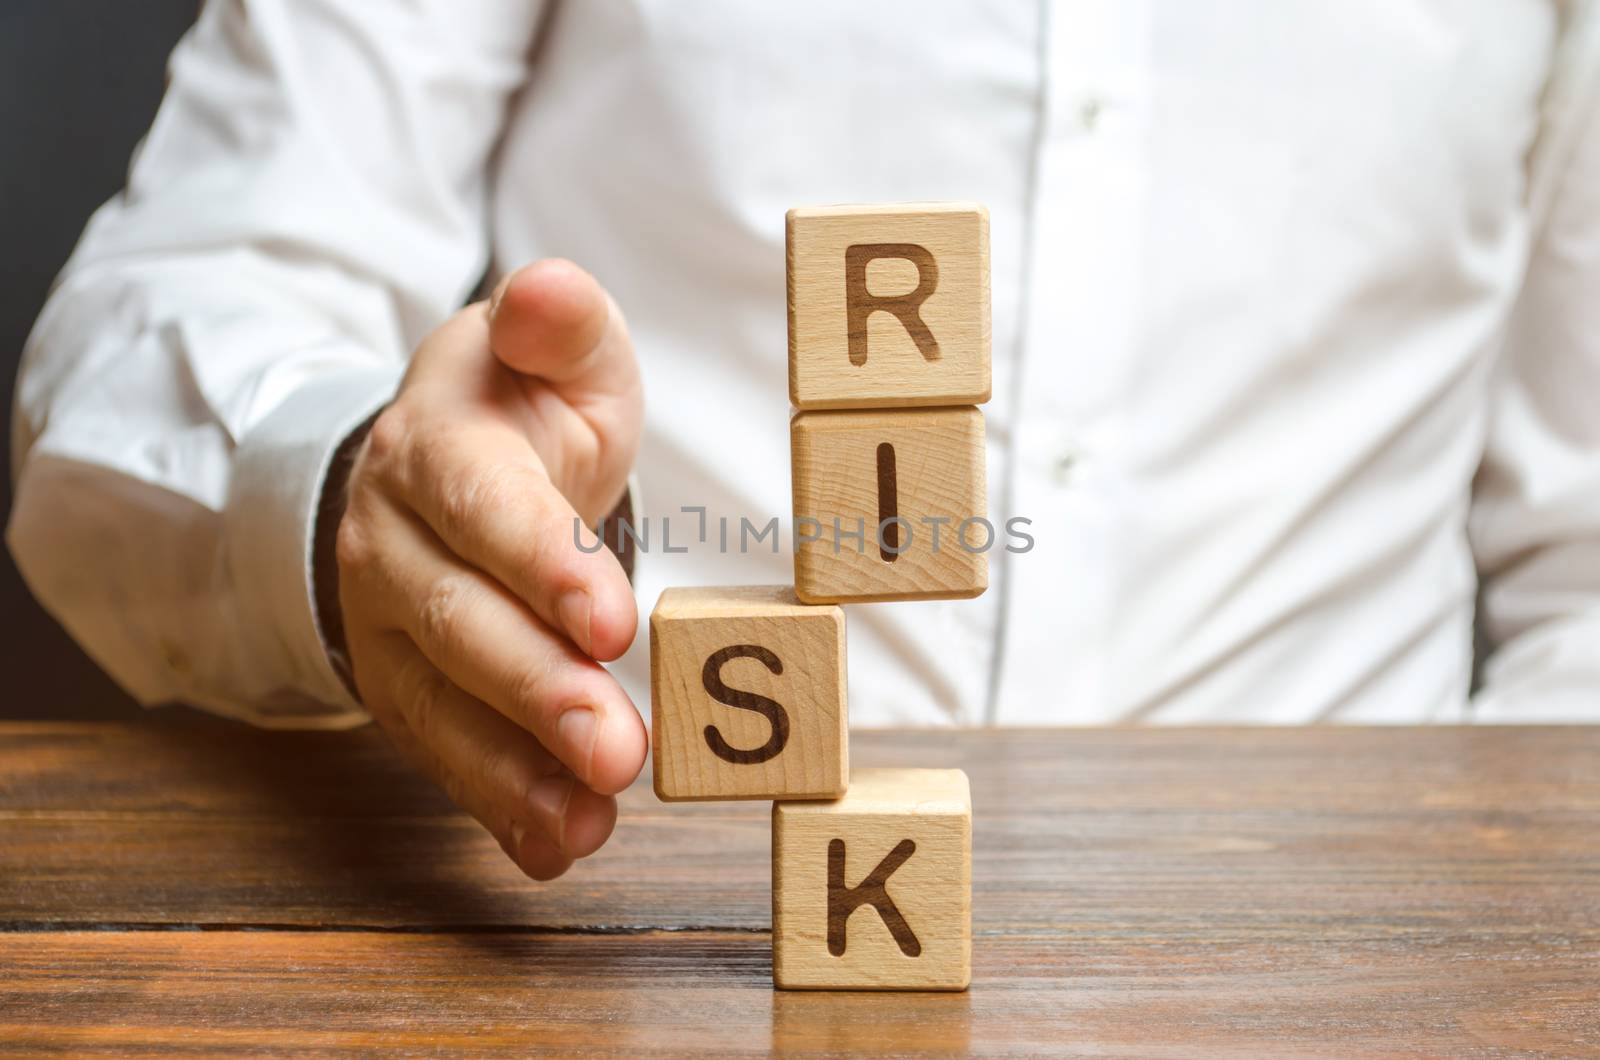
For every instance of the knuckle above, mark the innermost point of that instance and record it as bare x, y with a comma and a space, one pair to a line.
423, 691
441, 615
466, 504
520, 781
540, 693
551, 560
545, 559
388, 434
425, 446
352, 544
531, 692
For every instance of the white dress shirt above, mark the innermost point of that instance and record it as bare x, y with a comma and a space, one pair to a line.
1296, 330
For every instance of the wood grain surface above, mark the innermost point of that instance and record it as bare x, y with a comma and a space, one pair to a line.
838, 480
874, 891
888, 305
1277, 892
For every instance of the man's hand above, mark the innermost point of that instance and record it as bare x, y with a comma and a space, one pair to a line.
472, 619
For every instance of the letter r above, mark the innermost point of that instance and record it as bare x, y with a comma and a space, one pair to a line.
860, 303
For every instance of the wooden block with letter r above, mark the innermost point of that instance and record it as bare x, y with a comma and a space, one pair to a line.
747, 696
888, 305
889, 504
874, 891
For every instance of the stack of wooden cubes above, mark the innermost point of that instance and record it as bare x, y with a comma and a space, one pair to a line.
888, 359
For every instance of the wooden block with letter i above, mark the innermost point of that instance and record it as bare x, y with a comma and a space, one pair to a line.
889, 504
888, 305
747, 696
874, 891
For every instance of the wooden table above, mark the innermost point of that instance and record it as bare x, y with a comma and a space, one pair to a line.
1145, 892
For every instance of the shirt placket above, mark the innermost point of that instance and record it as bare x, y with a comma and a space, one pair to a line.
1083, 271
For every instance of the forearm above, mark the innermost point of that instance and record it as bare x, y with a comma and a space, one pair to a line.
160, 497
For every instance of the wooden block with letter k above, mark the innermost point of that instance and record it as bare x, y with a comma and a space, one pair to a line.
747, 696
874, 891
888, 305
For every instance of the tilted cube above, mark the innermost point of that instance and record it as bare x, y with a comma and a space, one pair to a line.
747, 695
890, 504
888, 305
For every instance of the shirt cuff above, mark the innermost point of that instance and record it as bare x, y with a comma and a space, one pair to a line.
270, 524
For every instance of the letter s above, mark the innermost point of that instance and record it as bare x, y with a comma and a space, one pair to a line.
711, 677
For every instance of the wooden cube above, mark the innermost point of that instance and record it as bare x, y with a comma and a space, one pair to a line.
888, 305
747, 696
911, 481
874, 891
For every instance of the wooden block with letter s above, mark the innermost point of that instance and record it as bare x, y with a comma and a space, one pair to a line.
888, 305
874, 891
747, 696
889, 504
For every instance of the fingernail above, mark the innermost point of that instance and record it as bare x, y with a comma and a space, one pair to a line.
577, 728
549, 798
574, 608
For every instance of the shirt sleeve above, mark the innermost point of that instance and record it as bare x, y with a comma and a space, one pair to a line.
309, 202
1535, 522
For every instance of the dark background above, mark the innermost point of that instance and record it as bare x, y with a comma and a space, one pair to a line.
79, 84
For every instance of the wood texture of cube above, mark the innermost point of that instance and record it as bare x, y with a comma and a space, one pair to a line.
916, 473
888, 305
874, 891
747, 695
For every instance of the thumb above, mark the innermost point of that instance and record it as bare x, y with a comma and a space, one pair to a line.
552, 320
555, 328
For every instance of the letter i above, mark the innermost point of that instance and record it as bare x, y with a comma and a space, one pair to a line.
888, 504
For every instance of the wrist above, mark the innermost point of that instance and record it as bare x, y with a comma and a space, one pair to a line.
324, 560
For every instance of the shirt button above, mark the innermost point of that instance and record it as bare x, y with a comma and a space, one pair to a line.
1064, 467
1089, 112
